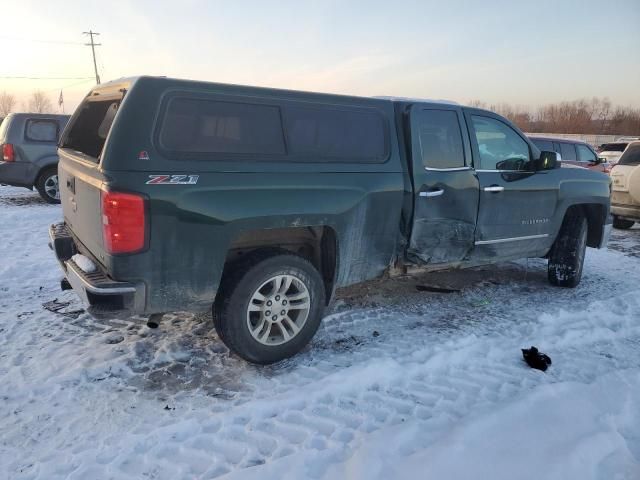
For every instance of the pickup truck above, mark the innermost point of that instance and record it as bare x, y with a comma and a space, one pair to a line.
258, 203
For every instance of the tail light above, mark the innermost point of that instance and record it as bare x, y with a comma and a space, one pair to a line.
123, 222
8, 153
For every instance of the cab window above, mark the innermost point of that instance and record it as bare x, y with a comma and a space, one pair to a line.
500, 146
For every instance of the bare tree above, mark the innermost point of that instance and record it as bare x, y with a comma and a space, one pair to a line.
594, 116
40, 103
7, 102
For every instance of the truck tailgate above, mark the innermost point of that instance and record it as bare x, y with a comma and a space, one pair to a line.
81, 182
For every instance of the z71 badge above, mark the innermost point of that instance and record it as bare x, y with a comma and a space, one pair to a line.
172, 179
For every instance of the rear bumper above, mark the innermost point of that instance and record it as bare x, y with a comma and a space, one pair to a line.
106, 298
625, 211
16, 174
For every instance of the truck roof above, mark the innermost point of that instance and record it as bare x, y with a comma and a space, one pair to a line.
557, 139
37, 115
130, 81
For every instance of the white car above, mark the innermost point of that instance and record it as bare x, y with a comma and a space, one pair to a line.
612, 152
625, 183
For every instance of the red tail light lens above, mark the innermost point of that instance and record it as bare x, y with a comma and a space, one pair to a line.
8, 153
123, 222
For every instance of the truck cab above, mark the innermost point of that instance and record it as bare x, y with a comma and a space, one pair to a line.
481, 191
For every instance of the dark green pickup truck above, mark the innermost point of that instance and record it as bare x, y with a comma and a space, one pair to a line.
184, 196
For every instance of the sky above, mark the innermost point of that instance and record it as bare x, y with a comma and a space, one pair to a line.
526, 53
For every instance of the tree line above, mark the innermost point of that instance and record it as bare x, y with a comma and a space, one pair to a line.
38, 102
595, 116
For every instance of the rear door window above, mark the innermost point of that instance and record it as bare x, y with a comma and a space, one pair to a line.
613, 147
568, 151
441, 140
197, 126
41, 130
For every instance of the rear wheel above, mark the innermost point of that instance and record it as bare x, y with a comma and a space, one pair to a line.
622, 224
47, 185
269, 306
566, 258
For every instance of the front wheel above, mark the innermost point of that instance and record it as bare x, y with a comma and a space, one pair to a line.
47, 185
269, 306
622, 224
566, 258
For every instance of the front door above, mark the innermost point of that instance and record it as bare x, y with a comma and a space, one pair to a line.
444, 185
516, 203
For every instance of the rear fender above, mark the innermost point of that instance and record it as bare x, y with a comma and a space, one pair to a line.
39, 165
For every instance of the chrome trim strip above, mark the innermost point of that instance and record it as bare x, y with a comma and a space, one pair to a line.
504, 171
494, 188
512, 239
456, 169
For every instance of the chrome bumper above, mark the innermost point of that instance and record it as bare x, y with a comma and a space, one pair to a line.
626, 212
106, 298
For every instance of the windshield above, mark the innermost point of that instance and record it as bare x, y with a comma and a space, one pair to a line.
631, 156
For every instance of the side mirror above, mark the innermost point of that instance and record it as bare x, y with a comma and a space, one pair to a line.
547, 161
600, 160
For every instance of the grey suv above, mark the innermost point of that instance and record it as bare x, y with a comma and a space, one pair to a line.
29, 158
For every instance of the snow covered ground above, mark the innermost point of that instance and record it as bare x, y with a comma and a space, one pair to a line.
397, 384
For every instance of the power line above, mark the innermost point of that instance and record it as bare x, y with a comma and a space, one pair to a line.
35, 40
69, 85
26, 77
93, 51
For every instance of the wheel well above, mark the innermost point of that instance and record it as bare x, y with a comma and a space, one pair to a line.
317, 244
42, 169
595, 214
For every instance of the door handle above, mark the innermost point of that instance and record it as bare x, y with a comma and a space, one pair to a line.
432, 193
494, 189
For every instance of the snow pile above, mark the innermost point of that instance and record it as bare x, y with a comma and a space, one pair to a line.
85, 263
571, 430
397, 383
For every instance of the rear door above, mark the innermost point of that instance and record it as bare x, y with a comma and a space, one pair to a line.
80, 177
444, 185
516, 204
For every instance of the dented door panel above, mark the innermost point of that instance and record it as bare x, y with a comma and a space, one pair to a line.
445, 187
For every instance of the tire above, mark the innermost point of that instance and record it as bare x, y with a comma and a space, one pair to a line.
622, 224
47, 185
286, 287
566, 258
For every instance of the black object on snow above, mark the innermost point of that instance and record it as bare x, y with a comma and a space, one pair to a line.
536, 359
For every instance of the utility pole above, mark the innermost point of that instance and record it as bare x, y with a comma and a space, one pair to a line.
93, 51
